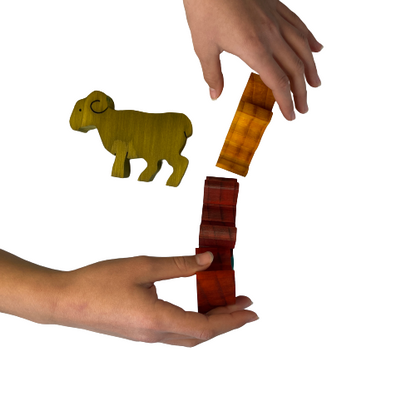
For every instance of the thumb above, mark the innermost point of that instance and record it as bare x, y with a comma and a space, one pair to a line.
204, 260
163, 268
211, 69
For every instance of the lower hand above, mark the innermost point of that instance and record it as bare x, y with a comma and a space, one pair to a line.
118, 297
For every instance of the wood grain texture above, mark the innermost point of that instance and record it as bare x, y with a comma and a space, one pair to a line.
133, 134
217, 235
221, 191
215, 288
216, 285
249, 123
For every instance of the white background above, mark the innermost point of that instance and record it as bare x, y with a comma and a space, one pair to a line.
326, 216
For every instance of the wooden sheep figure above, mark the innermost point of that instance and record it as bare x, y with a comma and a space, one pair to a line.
132, 134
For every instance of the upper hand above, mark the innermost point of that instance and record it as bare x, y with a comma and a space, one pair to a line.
266, 35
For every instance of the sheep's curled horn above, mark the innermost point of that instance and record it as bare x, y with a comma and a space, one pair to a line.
97, 112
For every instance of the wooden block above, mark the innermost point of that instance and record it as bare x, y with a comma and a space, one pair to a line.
220, 191
215, 288
217, 235
218, 215
249, 123
132, 134
216, 285
257, 93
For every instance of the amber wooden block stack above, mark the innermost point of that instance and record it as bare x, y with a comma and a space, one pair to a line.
216, 285
250, 121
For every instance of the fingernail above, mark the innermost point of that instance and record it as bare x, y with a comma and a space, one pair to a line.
213, 93
292, 116
203, 259
254, 318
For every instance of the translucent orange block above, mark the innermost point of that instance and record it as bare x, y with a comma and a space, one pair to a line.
250, 121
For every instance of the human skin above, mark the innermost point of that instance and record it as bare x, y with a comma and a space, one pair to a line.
267, 36
116, 297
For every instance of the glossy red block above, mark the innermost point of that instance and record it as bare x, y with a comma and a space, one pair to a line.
215, 288
218, 215
221, 191
217, 236
216, 285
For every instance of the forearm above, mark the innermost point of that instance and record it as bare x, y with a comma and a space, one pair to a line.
28, 290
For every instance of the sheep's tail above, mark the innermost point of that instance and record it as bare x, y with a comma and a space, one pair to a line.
188, 127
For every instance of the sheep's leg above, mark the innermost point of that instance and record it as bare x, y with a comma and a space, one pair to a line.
179, 164
153, 167
121, 166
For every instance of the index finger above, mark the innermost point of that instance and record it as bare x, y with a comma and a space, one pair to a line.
163, 268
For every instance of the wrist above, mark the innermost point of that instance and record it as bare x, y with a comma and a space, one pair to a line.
47, 293
29, 291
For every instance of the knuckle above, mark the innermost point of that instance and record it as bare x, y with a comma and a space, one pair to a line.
256, 43
283, 82
181, 264
303, 39
299, 67
253, 42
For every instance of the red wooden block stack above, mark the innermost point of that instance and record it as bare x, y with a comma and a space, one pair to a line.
216, 285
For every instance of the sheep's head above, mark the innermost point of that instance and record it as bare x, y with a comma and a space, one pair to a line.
87, 111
